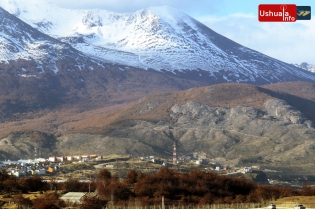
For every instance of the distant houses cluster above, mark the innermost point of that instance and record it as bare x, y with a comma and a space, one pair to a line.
200, 158
41, 166
84, 158
38, 166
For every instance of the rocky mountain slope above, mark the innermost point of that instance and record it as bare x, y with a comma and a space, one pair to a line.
247, 126
239, 123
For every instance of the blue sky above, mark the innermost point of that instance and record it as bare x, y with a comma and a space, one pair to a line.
235, 19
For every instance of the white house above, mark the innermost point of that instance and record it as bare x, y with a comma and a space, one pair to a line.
248, 170
199, 161
73, 197
16, 173
40, 172
69, 158
52, 159
77, 157
60, 158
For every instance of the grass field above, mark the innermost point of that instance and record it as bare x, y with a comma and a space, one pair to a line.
290, 202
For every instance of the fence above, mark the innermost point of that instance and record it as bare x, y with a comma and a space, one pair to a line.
286, 205
212, 206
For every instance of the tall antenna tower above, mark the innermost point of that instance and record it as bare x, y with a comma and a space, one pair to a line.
174, 154
40, 149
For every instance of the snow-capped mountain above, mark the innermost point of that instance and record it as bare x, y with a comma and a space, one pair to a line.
306, 66
20, 41
159, 38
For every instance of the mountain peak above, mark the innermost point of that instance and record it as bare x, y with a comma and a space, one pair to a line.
306, 66
171, 17
167, 12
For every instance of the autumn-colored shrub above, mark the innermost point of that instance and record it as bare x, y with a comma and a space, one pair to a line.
93, 203
74, 185
9, 185
71, 185
131, 177
195, 187
110, 188
48, 201
307, 190
21, 201
32, 184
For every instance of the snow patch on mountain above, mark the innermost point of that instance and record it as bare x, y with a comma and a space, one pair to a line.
306, 66
19, 40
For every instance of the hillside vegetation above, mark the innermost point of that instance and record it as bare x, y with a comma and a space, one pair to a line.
193, 188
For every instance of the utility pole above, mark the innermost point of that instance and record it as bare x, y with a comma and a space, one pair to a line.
174, 154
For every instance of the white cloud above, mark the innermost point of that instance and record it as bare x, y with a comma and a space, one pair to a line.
288, 42
133, 5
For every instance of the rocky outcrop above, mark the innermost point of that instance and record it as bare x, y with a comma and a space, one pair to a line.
279, 109
274, 110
